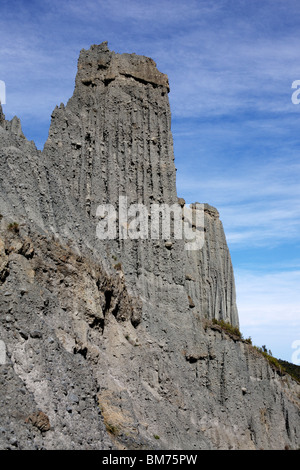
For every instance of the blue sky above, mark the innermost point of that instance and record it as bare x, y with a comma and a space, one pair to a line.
231, 65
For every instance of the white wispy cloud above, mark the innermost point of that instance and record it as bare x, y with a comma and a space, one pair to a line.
217, 62
258, 204
269, 308
233, 76
157, 12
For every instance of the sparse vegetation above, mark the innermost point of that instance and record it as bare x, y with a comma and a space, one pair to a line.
268, 355
118, 267
115, 419
282, 366
228, 328
291, 369
13, 227
111, 429
156, 436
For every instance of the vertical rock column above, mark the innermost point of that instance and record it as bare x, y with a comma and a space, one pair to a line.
112, 139
209, 277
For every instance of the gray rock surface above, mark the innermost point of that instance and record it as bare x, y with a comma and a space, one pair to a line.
209, 278
110, 343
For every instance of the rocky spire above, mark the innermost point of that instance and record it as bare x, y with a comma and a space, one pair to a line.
114, 135
78, 344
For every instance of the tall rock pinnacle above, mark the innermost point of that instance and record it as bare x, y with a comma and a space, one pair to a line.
109, 341
112, 139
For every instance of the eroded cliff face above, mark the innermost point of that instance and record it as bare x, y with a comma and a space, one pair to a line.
109, 343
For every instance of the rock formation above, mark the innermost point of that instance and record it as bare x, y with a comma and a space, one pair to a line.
110, 343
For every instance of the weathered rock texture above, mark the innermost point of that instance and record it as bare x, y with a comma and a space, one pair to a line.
110, 343
209, 273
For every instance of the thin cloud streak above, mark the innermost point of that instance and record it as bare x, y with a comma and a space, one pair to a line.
222, 71
269, 308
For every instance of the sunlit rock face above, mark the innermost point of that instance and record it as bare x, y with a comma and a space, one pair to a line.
109, 342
